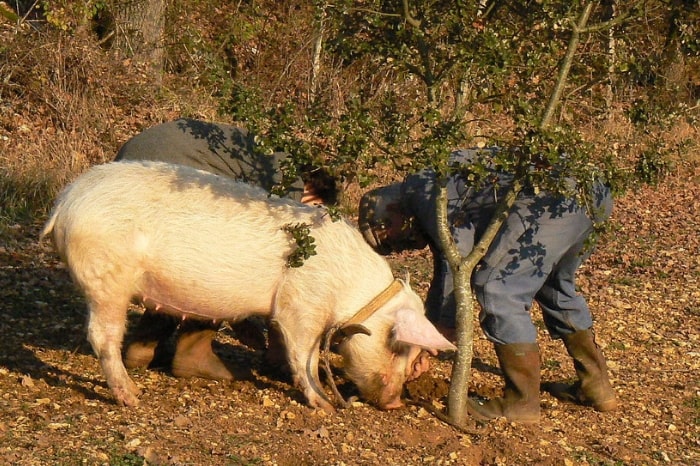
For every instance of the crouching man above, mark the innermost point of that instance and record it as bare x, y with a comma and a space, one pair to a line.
228, 151
534, 257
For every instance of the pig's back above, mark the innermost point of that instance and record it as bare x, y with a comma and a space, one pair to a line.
174, 228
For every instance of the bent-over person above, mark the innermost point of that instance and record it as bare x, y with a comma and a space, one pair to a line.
534, 257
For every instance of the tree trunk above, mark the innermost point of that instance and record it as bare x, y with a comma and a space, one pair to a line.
462, 268
674, 69
316, 60
139, 26
612, 57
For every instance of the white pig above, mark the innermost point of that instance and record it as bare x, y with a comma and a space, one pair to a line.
198, 245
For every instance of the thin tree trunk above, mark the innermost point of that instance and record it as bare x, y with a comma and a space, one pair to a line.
463, 268
612, 58
566, 65
139, 26
316, 63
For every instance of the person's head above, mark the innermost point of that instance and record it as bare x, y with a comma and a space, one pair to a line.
385, 225
319, 186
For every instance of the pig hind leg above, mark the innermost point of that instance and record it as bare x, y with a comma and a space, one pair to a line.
106, 326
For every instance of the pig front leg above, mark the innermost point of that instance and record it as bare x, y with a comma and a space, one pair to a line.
303, 345
106, 325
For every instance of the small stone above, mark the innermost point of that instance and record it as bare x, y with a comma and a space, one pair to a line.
58, 425
133, 444
181, 421
27, 381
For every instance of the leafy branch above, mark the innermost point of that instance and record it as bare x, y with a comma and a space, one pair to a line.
305, 247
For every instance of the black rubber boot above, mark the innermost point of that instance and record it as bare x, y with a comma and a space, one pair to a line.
520, 364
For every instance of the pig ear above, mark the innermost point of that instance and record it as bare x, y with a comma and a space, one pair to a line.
413, 328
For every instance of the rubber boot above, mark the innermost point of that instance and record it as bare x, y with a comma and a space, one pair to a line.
194, 355
593, 388
149, 340
520, 364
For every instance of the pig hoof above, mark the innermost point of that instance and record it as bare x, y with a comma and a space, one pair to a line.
127, 395
323, 404
125, 398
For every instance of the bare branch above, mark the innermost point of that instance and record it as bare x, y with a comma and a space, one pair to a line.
407, 15
566, 65
612, 23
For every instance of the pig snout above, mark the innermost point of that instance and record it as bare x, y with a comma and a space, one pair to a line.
389, 395
392, 402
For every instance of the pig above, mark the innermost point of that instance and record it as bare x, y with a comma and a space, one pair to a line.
201, 246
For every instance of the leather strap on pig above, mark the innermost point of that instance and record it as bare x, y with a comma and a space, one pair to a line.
338, 333
354, 324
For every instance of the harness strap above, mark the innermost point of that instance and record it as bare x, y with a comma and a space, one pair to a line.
377, 302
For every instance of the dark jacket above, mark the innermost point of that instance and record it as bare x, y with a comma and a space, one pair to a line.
217, 148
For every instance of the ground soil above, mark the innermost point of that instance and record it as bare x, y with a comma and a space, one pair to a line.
642, 286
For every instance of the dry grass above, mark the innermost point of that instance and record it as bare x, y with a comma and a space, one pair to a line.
66, 105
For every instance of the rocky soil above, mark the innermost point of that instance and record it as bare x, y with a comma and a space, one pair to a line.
642, 285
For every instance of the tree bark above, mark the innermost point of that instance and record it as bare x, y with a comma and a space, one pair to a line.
463, 268
316, 60
612, 58
139, 26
